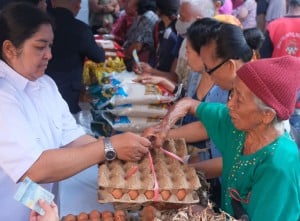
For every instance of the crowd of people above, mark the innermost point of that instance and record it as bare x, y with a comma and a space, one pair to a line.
235, 62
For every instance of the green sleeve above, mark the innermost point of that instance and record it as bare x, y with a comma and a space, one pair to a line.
217, 122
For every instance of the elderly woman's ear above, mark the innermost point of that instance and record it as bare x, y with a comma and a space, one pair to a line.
268, 116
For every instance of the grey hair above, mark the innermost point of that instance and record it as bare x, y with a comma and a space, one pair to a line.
201, 8
278, 124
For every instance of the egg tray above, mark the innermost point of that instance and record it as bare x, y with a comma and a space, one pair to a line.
131, 184
94, 215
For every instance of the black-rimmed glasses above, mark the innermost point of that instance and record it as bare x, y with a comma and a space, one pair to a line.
210, 71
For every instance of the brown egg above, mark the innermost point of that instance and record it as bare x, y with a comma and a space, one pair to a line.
69, 217
165, 194
95, 219
133, 194
149, 194
83, 217
106, 214
95, 214
181, 194
110, 218
117, 193
147, 214
120, 215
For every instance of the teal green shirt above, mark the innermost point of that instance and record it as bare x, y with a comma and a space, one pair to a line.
268, 179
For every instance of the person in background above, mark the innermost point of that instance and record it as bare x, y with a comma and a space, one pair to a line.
282, 34
51, 212
122, 6
269, 10
73, 43
245, 12
189, 11
282, 38
124, 22
102, 14
140, 36
42, 4
39, 136
165, 35
226, 7
259, 156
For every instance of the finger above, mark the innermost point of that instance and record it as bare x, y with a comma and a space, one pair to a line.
44, 205
145, 142
33, 216
142, 151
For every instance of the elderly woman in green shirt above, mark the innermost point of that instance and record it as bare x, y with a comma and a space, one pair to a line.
261, 165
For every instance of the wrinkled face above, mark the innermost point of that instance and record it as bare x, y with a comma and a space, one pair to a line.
224, 75
243, 109
32, 59
193, 58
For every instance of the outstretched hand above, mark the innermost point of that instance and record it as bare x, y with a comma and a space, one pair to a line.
156, 134
51, 212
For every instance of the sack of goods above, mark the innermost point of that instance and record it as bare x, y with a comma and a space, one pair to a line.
127, 105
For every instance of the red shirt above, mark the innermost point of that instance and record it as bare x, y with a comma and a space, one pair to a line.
121, 26
285, 36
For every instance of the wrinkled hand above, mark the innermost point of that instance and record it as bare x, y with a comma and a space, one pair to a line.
156, 134
51, 212
130, 146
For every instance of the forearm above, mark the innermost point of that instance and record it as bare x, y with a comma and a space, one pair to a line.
57, 164
192, 132
179, 110
169, 75
211, 168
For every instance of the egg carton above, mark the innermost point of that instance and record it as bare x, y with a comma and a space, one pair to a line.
132, 183
95, 215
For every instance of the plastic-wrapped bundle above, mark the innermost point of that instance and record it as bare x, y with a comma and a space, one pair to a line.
135, 110
132, 124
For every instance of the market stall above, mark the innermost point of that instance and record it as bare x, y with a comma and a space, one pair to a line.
160, 186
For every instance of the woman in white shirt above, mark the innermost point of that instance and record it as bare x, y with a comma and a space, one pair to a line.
34, 119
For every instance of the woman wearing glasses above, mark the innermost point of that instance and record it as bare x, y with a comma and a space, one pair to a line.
261, 164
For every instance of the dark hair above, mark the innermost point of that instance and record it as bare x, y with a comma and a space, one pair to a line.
146, 5
35, 2
230, 40
200, 31
168, 7
254, 37
19, 21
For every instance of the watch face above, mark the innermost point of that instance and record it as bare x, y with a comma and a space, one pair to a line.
110, 155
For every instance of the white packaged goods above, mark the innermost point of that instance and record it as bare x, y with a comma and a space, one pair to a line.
131, 93
132, 124
150, 110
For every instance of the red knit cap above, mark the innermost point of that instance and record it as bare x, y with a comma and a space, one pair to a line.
275, 81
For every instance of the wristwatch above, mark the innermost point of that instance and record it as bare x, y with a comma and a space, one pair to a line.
110, 152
